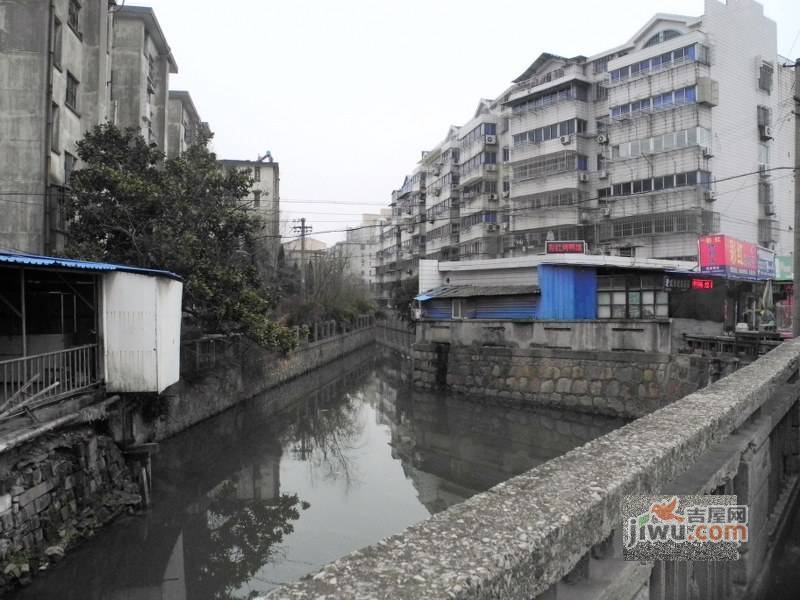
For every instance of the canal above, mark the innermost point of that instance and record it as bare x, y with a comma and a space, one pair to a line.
277, 487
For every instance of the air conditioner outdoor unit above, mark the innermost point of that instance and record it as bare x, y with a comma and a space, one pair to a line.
767, 132
707, 153
506, 194
602, 175
769, 209
491, 139
437, 171
436, 191
583, 177
492, 197
491, 168
491, 227
709, 196
602, 138
606, 211
506, 226
566, 139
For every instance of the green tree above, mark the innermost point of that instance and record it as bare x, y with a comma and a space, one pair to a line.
130, 205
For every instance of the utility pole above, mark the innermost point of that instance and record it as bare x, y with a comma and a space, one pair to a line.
302, 229
796, 253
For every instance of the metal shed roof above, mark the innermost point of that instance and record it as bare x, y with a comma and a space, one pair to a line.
470, 291
35, 260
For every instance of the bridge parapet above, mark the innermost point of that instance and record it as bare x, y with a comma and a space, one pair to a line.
553, 531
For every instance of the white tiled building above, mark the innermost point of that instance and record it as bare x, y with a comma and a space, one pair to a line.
683, 130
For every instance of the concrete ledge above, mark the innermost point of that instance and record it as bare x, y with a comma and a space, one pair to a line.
517, 539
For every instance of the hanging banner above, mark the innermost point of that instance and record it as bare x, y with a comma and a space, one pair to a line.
736, 259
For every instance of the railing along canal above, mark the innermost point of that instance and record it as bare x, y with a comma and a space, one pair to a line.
45, 377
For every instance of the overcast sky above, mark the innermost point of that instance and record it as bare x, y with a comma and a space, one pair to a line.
346, 94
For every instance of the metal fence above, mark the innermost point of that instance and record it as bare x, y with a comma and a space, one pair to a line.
43, 377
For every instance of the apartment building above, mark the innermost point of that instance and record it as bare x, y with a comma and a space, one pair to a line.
141, 63
361, 246
265, 200
55, 56
73, 65
183, 123
641, 149
683, 130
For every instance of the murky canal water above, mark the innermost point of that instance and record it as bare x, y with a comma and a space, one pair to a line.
251, 499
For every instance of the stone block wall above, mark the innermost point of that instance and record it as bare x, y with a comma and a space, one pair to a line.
53, 493
624, 384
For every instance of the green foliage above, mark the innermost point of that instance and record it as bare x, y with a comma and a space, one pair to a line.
403, 295
130, 205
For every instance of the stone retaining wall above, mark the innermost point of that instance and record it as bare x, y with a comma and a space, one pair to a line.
627, 384
53, 493
243, 373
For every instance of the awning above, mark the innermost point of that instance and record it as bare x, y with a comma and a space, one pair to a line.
471, 291
34, 260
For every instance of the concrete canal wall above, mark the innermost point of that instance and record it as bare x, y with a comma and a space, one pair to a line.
553, 532
238, 370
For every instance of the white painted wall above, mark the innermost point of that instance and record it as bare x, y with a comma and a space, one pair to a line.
141, 332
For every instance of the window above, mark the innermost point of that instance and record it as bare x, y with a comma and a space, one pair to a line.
631, 297
74, 15
662, 36
256, 199
55, 127
69, 167
71, 99
765, 77
257, 174
57, 43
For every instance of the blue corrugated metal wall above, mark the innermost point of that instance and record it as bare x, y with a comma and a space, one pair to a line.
504, 307
567, 292
437, 309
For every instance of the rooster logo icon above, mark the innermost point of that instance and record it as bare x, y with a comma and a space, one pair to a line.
665, 511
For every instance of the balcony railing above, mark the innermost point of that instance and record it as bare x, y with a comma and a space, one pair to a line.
45, 377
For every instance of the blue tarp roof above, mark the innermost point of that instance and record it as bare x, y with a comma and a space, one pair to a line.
35, 260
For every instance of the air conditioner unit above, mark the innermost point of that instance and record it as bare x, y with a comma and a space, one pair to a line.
583, 177
602, 174
606, 211
566, 139
490, 168
436, 171
767, 132
491, 227
491, 140
506, 194
506, 226
709, 196
602, 138
436, 191
707, 153
769, 209
492, 197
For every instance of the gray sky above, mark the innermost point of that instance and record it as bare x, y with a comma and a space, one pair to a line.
346, 94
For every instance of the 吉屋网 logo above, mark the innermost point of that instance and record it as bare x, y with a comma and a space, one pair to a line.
683, 527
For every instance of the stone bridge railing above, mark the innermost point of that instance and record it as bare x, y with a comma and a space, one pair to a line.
553, 532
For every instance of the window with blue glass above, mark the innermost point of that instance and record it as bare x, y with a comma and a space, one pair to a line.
489, 129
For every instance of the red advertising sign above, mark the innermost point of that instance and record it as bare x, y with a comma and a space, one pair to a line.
727, 256
702, 284
576, 247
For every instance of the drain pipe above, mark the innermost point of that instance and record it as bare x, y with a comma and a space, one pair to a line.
48, 99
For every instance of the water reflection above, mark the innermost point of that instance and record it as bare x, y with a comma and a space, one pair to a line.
257, 497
